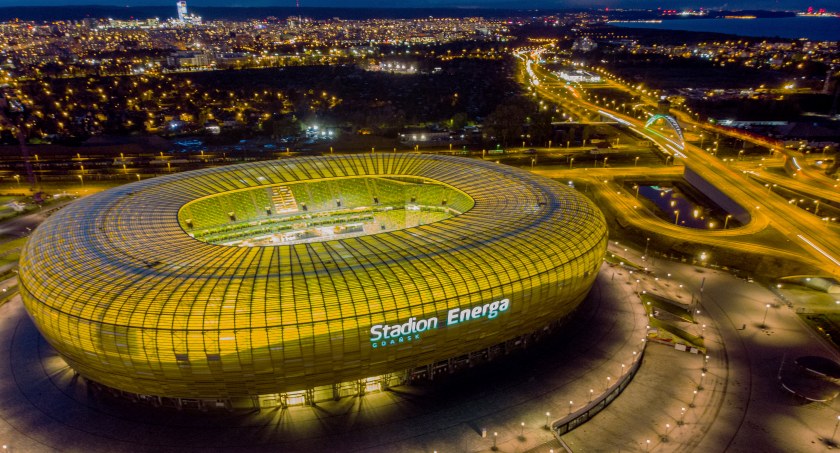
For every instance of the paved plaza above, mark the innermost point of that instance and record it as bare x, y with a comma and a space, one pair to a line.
739, 405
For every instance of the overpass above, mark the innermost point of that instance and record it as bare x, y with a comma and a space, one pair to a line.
815, 241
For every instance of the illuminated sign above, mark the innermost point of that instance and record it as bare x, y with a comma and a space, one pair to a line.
386, 335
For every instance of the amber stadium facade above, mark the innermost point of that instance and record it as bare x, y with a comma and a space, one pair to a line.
307, 278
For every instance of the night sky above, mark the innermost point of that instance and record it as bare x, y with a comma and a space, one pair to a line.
545, 4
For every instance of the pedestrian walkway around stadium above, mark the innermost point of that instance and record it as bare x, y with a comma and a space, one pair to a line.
46, 407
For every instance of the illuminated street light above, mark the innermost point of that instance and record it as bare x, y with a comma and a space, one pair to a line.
17, 178
81, 180
763, 320
835, 429
676, 216
726, 222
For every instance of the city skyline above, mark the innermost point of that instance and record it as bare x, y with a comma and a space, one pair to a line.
460, 4
446, 228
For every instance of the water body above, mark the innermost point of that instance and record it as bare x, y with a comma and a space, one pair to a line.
693, 213
813, 28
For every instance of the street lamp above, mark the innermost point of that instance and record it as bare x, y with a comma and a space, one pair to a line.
636, 186
835, 429
676, 216
726, 222
17, 178
636, 161
763, 320
571, 162
548, 414
81, 180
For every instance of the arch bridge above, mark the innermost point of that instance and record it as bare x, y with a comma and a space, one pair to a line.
671, 122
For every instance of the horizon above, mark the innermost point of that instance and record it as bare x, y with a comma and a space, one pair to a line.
554, 5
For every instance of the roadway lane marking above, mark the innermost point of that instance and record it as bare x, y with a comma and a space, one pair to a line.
818, 249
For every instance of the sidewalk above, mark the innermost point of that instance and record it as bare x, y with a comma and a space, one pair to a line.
43, 399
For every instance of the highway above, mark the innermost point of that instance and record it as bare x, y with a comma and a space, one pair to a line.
814, 241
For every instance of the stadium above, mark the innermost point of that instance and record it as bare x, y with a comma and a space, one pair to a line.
304, 279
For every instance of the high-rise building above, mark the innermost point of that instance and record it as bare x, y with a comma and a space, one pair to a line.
182, 10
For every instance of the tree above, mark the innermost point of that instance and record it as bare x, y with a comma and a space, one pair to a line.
540, 128
506, 122
458, 121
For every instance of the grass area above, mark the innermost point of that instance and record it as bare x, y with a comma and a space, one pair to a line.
10, 251
673, 333
7, 293
612, 258
6, 211
826, 324
652, 301
666, 329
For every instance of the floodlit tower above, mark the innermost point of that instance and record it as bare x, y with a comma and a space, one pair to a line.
182, 10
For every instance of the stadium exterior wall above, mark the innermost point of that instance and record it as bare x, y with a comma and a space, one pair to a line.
131, 301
